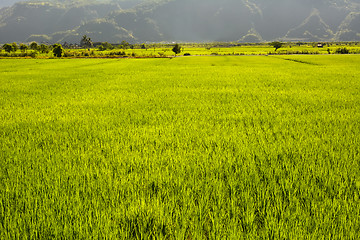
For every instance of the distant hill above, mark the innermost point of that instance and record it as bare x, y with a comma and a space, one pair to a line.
180, 20
7, 3
313, 28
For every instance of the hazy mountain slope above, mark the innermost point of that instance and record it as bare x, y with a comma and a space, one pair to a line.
7, 3
61, 20
98, 31
349, 30
231, 20
186, 20
214, 21
181, 20
312, 29
26, 19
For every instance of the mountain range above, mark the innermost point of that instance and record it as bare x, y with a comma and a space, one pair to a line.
113, 21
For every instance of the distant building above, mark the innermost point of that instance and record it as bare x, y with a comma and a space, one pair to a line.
320, 45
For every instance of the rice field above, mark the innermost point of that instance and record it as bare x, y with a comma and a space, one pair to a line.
223, 147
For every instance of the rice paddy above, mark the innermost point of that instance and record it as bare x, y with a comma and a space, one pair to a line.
222, 147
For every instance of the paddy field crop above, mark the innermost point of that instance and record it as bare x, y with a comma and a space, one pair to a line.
230, 147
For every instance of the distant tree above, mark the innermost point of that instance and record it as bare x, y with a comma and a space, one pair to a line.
57, 50
342, 51
15, 47
143, 46
8, 47
101, 48
43, 48
276, 45
86, 42
34, 46
124, 45
66, 45
23, 47
176, 49
107, 45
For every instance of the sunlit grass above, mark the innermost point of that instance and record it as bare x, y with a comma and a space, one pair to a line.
182, 148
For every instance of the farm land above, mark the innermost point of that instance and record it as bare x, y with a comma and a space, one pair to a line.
226, 147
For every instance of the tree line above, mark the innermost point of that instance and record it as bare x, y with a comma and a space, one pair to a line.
85, 43
88, 48
13, 47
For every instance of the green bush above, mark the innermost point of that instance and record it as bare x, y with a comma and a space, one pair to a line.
69, 54
57, 50
342, 51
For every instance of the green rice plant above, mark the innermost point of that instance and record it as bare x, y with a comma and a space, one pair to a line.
227, 147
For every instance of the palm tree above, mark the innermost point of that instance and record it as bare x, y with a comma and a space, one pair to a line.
86, 42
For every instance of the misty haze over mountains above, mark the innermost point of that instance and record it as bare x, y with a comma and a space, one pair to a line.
179, 20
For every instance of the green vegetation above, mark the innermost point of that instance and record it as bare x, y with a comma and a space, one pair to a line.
34, 46
228, 147
176, 49
124, 49
23, 47
8, 48
86, 42
276, 45
58, 50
